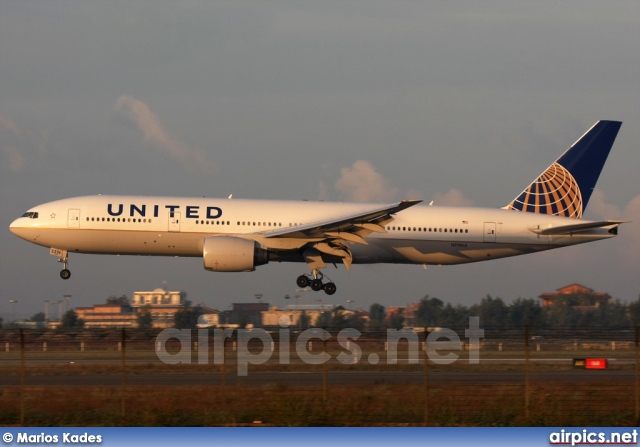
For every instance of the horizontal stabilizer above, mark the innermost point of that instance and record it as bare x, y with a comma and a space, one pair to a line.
568, 229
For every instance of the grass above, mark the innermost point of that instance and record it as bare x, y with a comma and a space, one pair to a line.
552, 404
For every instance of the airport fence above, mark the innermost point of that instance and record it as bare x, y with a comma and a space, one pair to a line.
414, 376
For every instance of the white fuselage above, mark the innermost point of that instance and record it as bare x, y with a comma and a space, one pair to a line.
171, 226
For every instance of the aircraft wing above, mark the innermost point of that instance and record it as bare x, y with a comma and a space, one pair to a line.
568, 229
354, 224
330, 237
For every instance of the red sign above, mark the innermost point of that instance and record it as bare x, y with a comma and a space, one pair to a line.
596, 364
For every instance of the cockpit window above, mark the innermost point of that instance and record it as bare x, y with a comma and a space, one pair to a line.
30, 215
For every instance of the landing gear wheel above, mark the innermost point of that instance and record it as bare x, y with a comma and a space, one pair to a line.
316, 285
65, 273
329, 288
302, 281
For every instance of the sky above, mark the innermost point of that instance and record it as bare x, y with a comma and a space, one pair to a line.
460, 102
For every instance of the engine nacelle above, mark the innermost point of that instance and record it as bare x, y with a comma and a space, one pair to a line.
232, 254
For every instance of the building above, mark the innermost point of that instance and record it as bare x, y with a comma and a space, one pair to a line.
107, 316
158, 297
296, 316
408, 312
162, 304
245, 314
577, 296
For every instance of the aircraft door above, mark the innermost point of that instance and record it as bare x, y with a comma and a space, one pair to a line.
489, 232
73, 219
174, 222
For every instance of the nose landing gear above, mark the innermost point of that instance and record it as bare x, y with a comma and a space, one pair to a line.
65, 273
314, 280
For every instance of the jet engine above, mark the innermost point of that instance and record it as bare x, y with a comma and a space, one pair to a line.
232, 254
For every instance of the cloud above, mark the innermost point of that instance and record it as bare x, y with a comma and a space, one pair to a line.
11, 136
157, 136
453, 197
362, 183
323, 191
601, 209
414, 194
622, 252
10, 125
16, 161
599, 206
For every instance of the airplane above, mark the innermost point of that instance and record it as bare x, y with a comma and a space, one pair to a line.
238, 235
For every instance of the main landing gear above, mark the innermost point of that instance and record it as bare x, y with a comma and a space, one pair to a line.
314, 280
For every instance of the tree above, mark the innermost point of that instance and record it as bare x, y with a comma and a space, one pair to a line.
377, 314
454, 317
429, 311
612, 315
634, 313
526, 312
39, 317
394, 321
70, 320
493, 313
187, 318
342, 319
144, 317
560, 315
324, 319
304, 321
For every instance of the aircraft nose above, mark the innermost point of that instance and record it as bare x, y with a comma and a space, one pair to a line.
16, 226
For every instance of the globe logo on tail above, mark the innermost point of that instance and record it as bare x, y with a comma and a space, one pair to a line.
554, 192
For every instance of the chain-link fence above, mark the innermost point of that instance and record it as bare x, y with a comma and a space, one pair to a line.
319, 377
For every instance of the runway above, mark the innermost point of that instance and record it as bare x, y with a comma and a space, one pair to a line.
316, 378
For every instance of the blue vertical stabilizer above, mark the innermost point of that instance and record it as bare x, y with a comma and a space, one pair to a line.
565, 187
